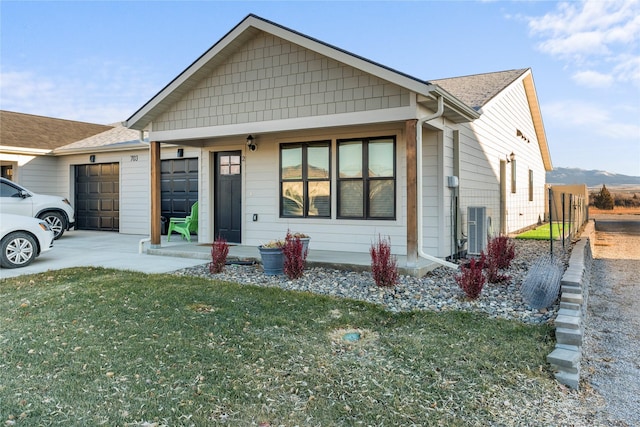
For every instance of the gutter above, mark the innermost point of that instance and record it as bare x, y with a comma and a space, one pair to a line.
421, 122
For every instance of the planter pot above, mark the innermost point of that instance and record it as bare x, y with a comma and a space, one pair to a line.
272, 260
305, 244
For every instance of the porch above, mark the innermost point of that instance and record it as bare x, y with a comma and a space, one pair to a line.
316, 258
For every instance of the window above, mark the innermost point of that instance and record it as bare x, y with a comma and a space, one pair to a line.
367, 178
530, 185
305, 180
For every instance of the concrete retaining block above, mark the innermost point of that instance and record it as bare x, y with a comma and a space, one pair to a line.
574, 298
569, 336
568, 322
565, 359
569, 379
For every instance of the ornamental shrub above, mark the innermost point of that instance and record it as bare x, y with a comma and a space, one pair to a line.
384, 266
219, 252
471, 280
295, 260
500, 252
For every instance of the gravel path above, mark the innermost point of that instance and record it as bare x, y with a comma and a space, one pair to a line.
611, 356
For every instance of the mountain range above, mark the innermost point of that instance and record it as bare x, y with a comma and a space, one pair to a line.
592, 178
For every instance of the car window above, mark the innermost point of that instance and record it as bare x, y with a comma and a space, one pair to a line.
7, 190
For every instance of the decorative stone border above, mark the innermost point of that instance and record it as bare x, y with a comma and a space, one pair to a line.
574, 293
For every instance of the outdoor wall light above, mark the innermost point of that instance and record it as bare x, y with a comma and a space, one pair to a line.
511, 157
92, 158
180, 152
251, 145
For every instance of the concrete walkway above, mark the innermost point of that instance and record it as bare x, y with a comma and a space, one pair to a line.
126, 252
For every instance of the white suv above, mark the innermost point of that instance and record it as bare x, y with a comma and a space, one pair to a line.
55, 210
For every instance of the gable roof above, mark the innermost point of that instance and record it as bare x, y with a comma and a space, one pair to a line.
476, 90
252, 25
116, 138
19, 131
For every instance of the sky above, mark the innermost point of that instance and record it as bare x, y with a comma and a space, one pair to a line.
99, 62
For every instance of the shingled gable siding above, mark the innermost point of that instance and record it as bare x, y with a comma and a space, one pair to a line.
480, 163
272, 79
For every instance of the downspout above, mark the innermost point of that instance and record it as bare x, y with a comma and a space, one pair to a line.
147, 239
421, 253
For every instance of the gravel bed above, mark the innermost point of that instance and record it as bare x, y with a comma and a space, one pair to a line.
436, 291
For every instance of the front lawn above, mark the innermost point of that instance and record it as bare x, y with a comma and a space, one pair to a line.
91, 346
542, 232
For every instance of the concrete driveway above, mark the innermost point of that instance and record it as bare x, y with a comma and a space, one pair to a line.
102, 249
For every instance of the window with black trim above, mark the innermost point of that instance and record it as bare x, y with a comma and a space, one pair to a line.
367, 178
305, 180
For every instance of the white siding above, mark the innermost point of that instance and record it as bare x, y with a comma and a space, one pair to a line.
260, 171
134, 185
490, 139
37, 173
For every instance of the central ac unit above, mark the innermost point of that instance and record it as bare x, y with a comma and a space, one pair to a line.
476, 229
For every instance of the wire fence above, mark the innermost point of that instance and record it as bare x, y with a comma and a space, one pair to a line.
567, 214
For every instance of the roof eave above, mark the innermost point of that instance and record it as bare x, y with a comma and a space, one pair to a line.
455, 110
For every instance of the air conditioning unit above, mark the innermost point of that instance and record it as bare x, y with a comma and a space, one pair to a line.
476, 229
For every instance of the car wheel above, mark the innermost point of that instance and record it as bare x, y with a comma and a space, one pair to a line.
56, 222
18, 250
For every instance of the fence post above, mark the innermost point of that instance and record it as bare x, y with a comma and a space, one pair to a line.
550, 221
570, 216
564, 235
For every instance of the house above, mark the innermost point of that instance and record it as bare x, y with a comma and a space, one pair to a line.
292, 133
27, 143
271, 130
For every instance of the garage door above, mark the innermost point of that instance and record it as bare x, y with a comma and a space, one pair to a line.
97, 200
178, 186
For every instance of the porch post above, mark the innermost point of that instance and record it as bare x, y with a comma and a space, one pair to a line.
155, 193
412, 192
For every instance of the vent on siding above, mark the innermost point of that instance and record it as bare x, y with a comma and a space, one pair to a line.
476, 229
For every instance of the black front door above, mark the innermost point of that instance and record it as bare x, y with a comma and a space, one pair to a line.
228, 196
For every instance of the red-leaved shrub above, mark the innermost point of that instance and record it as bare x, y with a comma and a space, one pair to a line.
219, 252
501, 251
471, 280
295, 260
384, 266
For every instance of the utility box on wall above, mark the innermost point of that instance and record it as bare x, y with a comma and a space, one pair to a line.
476, 229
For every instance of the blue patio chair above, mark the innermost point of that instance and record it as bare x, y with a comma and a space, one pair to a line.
184, 226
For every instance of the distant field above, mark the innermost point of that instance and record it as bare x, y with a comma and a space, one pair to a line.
617, 211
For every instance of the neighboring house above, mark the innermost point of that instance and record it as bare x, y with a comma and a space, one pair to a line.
26, 149
291, 133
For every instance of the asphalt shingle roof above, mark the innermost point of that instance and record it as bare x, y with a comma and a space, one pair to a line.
478, 89
46, 133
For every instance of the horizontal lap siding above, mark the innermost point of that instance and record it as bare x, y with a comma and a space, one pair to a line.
134, 189
39, 174
490, 139
261, 195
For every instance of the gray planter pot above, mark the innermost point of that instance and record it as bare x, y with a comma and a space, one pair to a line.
272, 260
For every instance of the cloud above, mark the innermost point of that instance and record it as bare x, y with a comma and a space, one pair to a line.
594, 118
593, 79
595, 33
90, 90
